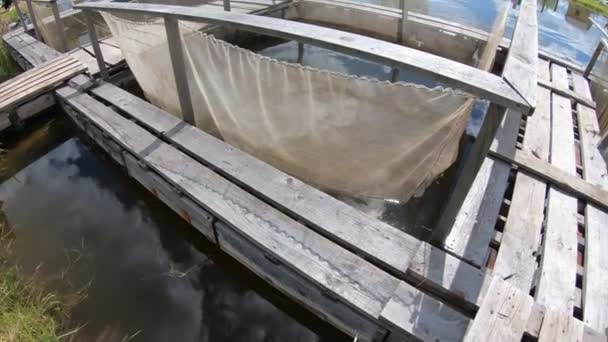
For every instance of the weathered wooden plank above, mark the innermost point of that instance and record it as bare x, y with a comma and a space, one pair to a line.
544, 74
595, 280
45, 84
560, 179
568, 93
420, 315
559, 77
346, 277
26, 76
521, 65
448, 277
560, 326
86, 59
297, 286
535, 320
35, 77
473, 227
370, 237
171, 196
37, 81
35, 52
466, 78
34, 83
503, 315
35, 106
556, 286
581, 86
516, 259
112, 55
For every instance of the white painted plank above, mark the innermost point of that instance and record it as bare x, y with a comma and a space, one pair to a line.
516, 259
595, 280
503, 315
556, 286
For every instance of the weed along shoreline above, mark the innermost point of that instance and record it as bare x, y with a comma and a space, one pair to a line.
29, 311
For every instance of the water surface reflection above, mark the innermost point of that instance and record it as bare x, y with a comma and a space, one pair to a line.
147, 278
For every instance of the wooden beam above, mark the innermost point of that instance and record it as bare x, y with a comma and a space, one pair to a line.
88, 16
476, 82
30, 10
595, 279
601, 45
60, 27
557, 282
516, 259
566, 182
565, 91
179, 69
20, 15
521, 65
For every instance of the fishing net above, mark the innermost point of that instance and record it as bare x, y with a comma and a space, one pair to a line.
74, 25
346, 134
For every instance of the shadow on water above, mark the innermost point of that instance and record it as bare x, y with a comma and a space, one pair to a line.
151, 274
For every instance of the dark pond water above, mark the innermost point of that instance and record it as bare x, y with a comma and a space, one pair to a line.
77, 217
80, 218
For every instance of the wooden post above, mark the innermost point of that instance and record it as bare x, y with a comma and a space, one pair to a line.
300, 52
30, 9
60, 28
594, 57
227, 5
21, 20
401, 32
95, 42
179, 69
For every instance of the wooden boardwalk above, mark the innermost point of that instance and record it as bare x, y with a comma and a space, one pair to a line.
22, 96
535, 224
524, 257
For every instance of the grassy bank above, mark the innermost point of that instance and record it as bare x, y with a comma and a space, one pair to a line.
8, 68
27, 311
594, 5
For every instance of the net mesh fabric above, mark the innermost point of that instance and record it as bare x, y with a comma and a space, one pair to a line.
74, 24
350, 135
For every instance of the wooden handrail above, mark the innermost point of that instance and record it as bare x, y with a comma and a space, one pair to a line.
453, 74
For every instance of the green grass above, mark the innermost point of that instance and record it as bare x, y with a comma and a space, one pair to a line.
594, 5
27, 311
8, 68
